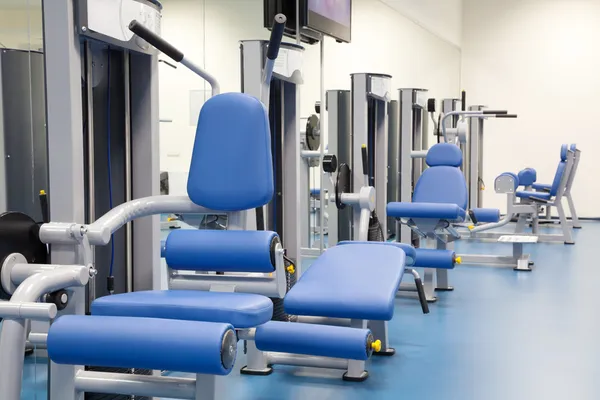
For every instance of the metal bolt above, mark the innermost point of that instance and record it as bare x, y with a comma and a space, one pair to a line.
64, 298
83, 29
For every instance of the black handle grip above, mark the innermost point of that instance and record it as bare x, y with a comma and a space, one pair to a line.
276, 36
44, 206
365, 159
506, 116
155, 40
463, 100
497, 112
422, 297
430, 105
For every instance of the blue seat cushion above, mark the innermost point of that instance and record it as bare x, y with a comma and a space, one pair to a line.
526, 194
447, 211
242, 310
409, 250
541, 186
145, 343
356, 281
486, 214
527, 176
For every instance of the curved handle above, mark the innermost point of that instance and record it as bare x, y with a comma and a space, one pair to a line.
276, 36
422, 297
155, 40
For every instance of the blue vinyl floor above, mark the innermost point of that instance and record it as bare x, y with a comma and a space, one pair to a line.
501, 335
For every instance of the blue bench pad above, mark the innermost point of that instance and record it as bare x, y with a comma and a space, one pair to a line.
356, 281
242, 310
526, 194
433, 258
447, 211
409, 250
145, 343
541, 186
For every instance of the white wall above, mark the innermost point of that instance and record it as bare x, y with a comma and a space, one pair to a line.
539, 59
383, 41
442, 17
21, 25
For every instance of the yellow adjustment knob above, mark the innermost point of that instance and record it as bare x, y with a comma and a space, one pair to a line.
458, 260
471, 227
376, 346
364, 146
170, 219
42, 192
290, 269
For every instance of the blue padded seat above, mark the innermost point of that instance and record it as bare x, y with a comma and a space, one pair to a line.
527, 194
409, 250
144, 343
242, 310
356, 281
486, 214
451, 212
542, 186
527, 176
221, 251
244, 180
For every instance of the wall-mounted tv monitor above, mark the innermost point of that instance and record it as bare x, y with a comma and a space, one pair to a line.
330, 17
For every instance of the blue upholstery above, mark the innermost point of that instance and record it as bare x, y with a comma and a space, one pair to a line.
315, 192
444, 154
357, 281
242, 310
526, 194
573, 147
231, 168
433, 258
163, 248
486, 214
560, 170
564, 151
450, 212
542, 186
221, 251
312, 339
145, 343
441, 185
527, 177
409, 250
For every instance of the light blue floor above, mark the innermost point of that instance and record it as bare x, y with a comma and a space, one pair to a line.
501, 335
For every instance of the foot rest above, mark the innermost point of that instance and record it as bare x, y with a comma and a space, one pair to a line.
518, 239
432, 258
242, 310
315, 340
357, 281
145, 343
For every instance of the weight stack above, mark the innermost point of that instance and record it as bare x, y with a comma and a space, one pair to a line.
279, 313
104, 396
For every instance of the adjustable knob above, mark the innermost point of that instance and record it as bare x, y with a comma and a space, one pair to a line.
60, 298
330, 163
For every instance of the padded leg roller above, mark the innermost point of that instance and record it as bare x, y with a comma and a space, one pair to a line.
315, 340
144, 343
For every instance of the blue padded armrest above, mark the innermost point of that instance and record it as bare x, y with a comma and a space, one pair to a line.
313, 340
451, 212
145, 343
542, 186
356, 281
433, 258
407, 248
525, 194
485, 214
242, 310
221, 251
527, 176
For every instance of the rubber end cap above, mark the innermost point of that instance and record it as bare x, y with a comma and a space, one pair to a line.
245, 371
363, 377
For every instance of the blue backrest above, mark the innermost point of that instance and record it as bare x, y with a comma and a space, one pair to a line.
560, 170
232, 167
443, 181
